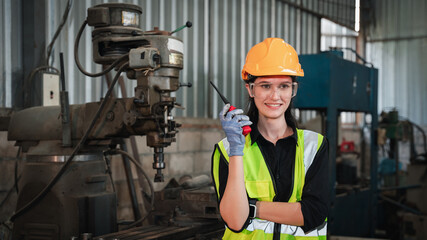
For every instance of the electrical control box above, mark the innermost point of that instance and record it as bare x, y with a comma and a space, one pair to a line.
50, 89
333, 82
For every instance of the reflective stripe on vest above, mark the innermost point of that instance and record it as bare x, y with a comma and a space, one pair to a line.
263, 229
259, 184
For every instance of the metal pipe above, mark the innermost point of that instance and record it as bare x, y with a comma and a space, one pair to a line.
400, 187
400, 205
126, 164
131, 184
395, 146
363, 150
141, 169
65, 108
373, 100
396, 39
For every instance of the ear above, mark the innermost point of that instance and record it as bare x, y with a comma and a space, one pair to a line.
249, 90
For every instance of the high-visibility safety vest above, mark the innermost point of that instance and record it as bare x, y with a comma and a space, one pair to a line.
259, 185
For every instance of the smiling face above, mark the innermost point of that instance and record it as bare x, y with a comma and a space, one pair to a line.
272, 95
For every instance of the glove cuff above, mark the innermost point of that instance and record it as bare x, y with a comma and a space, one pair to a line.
235, 151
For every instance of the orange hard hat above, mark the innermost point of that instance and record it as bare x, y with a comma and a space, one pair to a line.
273, 56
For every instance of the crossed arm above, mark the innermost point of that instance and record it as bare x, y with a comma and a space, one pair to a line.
309, 213
234, 207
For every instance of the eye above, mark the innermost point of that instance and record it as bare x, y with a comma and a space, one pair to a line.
265, 86
285, 85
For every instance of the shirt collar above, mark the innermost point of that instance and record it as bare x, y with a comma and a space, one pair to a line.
256, 135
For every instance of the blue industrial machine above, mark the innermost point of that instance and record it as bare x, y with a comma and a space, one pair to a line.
332, 85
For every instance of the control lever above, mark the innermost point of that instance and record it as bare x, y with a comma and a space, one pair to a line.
185, 84
65, 108
187, 24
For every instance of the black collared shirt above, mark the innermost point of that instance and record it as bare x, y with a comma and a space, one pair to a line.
280, 159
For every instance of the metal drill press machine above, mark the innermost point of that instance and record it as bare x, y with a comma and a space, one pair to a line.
64, 184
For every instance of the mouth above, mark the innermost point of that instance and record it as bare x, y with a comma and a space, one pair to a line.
273, 105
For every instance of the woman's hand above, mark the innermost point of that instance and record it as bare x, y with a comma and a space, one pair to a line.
281, 212
232, 123
234, 207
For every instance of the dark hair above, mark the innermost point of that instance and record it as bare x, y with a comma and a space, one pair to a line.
252, 110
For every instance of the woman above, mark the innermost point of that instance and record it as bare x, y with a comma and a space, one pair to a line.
272, 183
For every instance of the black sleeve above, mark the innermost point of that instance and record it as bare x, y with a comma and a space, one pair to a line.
223, 176
315, 194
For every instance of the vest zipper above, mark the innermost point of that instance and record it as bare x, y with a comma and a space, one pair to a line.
277, 226
271, 174
293, 179
276, 232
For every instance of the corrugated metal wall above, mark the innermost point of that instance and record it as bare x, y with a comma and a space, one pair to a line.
339, 11
334, 35
238, 25
10, 52
397, 45
215, 47
5, 83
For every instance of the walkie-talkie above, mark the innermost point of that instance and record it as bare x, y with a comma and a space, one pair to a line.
246, 129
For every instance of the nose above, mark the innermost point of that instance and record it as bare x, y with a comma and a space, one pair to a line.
275, 93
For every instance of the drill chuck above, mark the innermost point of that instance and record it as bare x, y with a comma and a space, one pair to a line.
158, 164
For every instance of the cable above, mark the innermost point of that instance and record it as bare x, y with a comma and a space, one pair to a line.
7, 226
150, 184
108, 170
10, 191
354, 51
76, 149
48, 53
16, 169
29, 80
141, 168
423, 134
58, 30
76, 56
